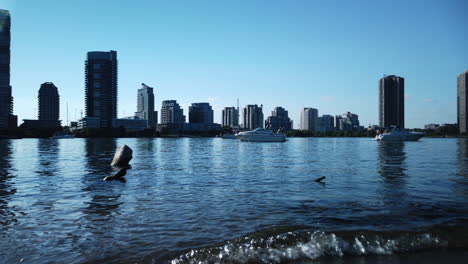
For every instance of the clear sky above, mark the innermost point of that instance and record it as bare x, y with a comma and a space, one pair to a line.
323, 54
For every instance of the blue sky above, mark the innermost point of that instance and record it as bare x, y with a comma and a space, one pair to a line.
323, 54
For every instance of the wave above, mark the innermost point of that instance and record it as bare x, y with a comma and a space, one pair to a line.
305, 245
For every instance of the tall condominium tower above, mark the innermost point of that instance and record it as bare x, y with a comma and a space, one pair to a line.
171, 113
49, 102
49, 109
462, 100
279, 119
201, 113
253, 117
230, 117
392, 101
7, 119
309, 118
101, 86
145, 105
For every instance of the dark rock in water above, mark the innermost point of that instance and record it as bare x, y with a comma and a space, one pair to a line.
109, 178
320, 179
121, 179
122, 156
118, 176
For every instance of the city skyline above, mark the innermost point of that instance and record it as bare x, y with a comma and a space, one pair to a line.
219, 73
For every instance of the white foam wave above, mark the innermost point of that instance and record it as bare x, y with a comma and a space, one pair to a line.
294, 246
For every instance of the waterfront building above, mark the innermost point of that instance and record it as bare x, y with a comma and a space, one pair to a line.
230, 117
325, 123
201, 127
279, 119
89, 122
201, 113
133, 123
338, 122
7, 119
392, 101
49, 108
171, 113
431, 126
462, 102
101, 86
309, 118
35, 123
347, 122
49, 102
373, 128
145, 106
253, 117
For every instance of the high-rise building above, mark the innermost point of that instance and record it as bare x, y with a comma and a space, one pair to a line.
155, 118
145, 105
7, 119
230, 117
347, 122
339, 122
392, 101
253, 117
49, 102
279, 119
101, 86
201, 113
462, 102
49, 108
309, 117
325, 123
171, 113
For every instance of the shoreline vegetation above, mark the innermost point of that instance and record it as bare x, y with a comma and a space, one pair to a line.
17, 133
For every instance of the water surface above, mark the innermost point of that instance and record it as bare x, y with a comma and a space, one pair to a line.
211, 200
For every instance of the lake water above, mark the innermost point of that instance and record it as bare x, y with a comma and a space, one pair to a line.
209, 200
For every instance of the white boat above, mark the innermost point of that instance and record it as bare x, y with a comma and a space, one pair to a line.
397, 134
261, 135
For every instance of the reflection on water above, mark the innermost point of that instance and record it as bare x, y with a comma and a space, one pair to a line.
392, 169
392, 165
48, 153
103, 199
6, 188
47, 168
99, 154
462, 172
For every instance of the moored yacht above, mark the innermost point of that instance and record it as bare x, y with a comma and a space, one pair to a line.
261, 135
397, 134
